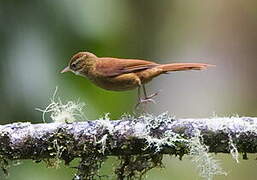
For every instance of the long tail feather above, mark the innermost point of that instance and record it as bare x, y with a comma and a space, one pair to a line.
184, 66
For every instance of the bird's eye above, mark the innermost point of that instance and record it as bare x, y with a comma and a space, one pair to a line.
73, 66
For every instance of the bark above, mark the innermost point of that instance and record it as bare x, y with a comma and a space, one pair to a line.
123, 137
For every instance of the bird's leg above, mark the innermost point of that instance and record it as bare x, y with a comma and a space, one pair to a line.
139, 97
146, 98
149, 97
139, 93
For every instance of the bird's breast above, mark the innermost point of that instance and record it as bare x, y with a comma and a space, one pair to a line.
117, 83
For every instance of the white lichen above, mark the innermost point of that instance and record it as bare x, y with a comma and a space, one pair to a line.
59, 150
63, 112
106, 124
233, 150
153, 122
102, 141
169, 139
226, 124
207, 166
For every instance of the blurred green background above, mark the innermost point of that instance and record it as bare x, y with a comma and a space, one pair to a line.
37, 38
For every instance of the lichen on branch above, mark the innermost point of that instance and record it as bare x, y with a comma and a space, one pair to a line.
138, 142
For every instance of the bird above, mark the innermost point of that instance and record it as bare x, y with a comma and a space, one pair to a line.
120, 74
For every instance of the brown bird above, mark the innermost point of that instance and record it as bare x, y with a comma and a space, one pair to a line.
118, 74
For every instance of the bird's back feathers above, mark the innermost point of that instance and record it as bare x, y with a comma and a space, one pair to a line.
114, 66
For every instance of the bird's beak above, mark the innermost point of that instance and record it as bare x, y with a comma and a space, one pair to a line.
67, 69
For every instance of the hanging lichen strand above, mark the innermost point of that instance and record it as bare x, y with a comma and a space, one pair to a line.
139, 142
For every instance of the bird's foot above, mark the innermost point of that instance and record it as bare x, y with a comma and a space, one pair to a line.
146, 100
152, 95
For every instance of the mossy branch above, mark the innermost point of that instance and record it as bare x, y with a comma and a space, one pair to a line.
145, 135
122, 137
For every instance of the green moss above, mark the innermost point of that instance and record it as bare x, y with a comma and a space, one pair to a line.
4, 165
89, 167
135, 167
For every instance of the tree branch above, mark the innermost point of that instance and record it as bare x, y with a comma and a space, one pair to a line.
129, 136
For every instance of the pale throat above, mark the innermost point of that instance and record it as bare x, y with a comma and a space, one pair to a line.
79, 73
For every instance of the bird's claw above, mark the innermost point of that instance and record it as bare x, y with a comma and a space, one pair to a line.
152, 95
146, 100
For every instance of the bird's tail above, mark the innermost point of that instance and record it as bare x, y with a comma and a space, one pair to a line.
183, 66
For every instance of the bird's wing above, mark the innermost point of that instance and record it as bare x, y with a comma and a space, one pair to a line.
115, 66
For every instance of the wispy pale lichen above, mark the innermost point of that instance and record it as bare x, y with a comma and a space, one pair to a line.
63, 112
233, 149
106, 124
145, 140
207, 166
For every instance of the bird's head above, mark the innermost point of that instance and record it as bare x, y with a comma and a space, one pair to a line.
78, 62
